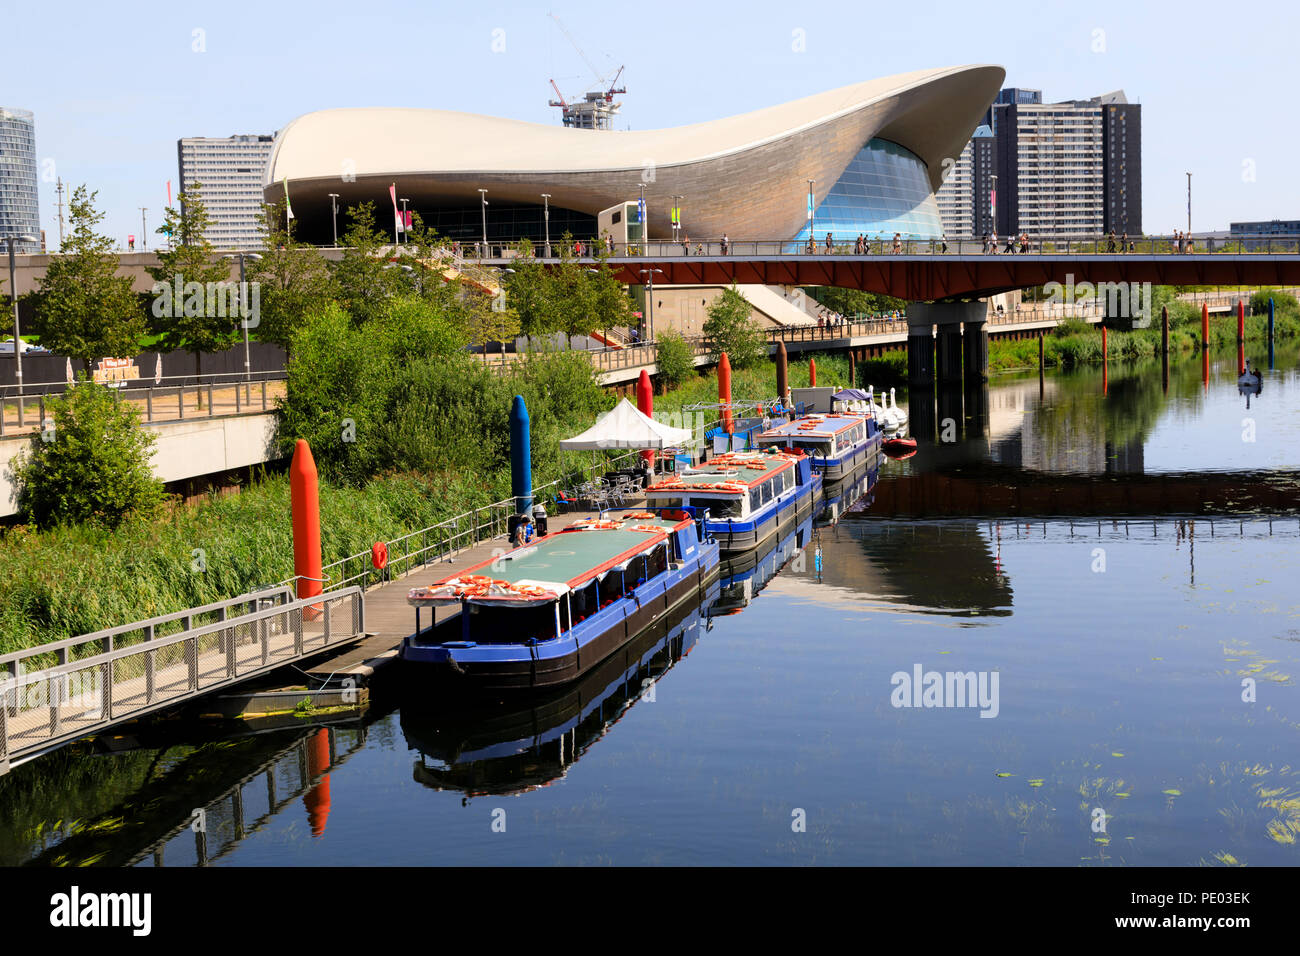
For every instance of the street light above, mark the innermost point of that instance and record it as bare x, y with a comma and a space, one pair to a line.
1189, 205
243, 305
546, 221
993, 205
18, 343
483, 199
645, 226
405, 235
334, 212
650, 302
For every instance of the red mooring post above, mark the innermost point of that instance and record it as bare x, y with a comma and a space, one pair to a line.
1205, 326
304, 497
1241, 336
724, 391
645, 402
812, 373
317, 799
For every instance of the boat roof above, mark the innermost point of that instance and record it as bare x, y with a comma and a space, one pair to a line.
825, 426
575, 555
732, 468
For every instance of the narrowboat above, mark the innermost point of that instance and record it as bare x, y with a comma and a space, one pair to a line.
519, 744
744, 498
838, 443
547, 613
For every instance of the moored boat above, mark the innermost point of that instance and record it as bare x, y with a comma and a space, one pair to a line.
838, 444
545, 614
744, 498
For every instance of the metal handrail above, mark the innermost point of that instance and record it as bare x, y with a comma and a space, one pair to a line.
281, 593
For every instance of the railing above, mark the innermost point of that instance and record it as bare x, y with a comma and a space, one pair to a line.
444, 540
1253, 244
160, 402
80, 695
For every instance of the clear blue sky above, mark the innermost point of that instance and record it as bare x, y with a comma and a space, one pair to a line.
114, 85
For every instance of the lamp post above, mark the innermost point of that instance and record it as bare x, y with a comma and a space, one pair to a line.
546, 223
18, 343
650, 302
243, 305
405, 235
677, 216
810, 213
645, 225
1189, 205
993, 204
483, 199
334, 213
144, 234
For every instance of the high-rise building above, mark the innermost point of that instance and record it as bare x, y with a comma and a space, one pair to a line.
966, 195
229, 170
1070, 170
20, 211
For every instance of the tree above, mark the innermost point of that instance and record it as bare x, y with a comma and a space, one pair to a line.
194, 299
731, 329
675, 358
293, 280
363, 276
855, 301
84, 309
92, 466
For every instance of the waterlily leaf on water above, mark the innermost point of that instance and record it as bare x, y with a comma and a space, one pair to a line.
1173, 793
1004, 773
1036, 782
1123, 794
1116, 753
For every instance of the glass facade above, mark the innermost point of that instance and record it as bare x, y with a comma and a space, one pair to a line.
20, 212
885, 189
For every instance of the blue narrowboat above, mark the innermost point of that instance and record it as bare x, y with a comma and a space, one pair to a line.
748, 496
838, 443
547, 613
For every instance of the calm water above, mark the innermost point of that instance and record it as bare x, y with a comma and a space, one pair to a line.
1124, 563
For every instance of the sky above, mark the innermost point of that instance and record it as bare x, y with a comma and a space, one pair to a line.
115, 85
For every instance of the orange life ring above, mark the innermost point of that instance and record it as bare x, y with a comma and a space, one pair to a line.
379, 555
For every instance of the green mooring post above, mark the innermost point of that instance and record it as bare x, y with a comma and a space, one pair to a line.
1270, 334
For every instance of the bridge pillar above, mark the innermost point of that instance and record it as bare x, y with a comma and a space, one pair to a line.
920, 357
975, 346
948, 317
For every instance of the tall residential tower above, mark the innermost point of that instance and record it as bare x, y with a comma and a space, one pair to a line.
20, 213
229, 171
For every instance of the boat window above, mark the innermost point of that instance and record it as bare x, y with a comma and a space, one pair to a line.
635, 575
717, 507
491, 624
655, 501
767, 491
566, 621
611, 587
755, 497
657, 562
584, 601
817, 449
788, 475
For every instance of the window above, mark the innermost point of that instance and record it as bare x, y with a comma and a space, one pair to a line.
717, 507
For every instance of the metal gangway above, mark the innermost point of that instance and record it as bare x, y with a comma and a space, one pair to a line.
55, 693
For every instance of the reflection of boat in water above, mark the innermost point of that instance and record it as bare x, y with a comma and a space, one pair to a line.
900, 448
518, 746
1250, 379
852, 494
744, 576
544, 614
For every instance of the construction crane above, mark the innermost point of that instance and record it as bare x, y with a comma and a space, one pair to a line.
596, 109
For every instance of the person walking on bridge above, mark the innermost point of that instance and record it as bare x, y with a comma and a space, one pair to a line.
898, 244
829, 244
943, 243
724, 243
1110, 246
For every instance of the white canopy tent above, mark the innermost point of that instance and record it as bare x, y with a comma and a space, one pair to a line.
624, 426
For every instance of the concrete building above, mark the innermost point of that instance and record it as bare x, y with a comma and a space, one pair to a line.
230, 171
873, 150
1069, 170
20, 211
966, 195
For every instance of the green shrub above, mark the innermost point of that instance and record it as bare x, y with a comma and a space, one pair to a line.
91, 465
675, 358
730, 328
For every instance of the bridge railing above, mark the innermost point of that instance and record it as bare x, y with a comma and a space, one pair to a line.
1105, 244
44, 708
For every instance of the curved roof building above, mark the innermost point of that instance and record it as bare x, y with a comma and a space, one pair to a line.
876, 151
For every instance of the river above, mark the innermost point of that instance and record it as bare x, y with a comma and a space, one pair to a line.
1107, 566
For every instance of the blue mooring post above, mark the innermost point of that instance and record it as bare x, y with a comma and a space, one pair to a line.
521, 457
1270, 334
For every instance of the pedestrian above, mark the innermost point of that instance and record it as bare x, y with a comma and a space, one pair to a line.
829, 243
986, 243
1024, 242
898, 244
724, 243
943, 243
1011, 245
810, 247
1110, 245
686, 244
1123, 242
993, 243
